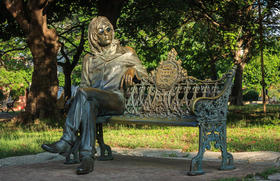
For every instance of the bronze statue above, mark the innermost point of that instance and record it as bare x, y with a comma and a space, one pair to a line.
104, 73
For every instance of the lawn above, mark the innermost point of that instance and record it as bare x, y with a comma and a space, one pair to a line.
249, 129
255, 138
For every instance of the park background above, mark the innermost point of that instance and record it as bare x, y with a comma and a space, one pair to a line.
43, 44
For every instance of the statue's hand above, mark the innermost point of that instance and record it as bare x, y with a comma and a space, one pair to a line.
127, 79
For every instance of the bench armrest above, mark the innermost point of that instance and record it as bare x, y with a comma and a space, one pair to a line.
214, 108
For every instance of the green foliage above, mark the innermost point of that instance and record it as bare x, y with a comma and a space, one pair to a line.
76, 75
268, 172
205, 44
15, 94
156, 23
61, 78
253, 115
15, 80
56, 11
61, 15
16, 67
253, 76
167, 26
274, 93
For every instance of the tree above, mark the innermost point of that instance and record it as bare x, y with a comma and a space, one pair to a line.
110, 9
241, 17
43, 44
235, 20
162, 25
15, 67
30, 19
73, 41
233, 26
209, 36
252, 76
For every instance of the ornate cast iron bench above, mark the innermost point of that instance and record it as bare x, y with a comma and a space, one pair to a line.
168, 96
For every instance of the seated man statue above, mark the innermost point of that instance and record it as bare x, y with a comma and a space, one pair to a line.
104, 73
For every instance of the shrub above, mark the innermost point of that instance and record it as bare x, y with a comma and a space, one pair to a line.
251, 95
16, 93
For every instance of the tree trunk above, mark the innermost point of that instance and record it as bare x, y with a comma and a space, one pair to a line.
110, 9
236, 94
262, 62
44, 46
241, 58
67, 81
42, 98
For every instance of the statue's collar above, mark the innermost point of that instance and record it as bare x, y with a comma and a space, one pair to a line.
109, 53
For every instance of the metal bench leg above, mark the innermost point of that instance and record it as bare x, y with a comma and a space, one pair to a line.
105, 150
195, 168
212, 131
227, 158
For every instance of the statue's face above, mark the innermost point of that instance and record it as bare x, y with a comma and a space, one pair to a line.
104, 33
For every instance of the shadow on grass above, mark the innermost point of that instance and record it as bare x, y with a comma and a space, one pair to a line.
239, 144
21, 152
253, 115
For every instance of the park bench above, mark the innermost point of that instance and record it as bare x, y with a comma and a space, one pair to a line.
169, 96
7, 104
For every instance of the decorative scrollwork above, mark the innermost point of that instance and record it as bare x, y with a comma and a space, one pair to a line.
214, 108
169, 92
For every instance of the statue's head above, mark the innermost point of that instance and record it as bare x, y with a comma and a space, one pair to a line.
100, 33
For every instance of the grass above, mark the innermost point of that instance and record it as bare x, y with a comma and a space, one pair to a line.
23, 141
265, 138
268, 172
253, 115
249, 129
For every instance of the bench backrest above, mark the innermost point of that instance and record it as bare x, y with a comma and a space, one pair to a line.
169, 91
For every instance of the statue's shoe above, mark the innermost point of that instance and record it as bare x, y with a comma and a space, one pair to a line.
86, 166
61, 147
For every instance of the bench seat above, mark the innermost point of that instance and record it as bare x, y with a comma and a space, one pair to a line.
189, 121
